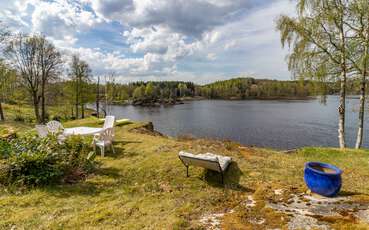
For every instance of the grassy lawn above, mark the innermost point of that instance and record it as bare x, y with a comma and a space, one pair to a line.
25, 112
144, 186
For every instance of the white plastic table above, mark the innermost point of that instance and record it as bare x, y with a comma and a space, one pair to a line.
83, 131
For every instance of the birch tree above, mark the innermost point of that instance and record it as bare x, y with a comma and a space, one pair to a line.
317, 37
359, 26
80, 74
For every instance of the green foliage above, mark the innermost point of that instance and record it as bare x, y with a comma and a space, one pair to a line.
139, 92
149, 90
5, 149
244, 88
19, 118
237, 88
182, 89
30, 160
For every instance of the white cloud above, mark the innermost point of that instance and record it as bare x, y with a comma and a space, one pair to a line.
189, 17
211, 56
58, 19
102, 62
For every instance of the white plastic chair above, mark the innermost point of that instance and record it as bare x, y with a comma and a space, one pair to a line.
109, 122
41, 130
104, 139
54, 127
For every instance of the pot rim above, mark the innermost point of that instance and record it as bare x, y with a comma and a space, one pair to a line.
336, 170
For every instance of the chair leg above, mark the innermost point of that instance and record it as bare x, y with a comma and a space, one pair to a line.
112, 148
102, 151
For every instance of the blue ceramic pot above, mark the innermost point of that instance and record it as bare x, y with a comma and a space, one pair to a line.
323, 179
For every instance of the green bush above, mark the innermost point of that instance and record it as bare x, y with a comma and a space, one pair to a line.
40, 161
19, 118
5, 149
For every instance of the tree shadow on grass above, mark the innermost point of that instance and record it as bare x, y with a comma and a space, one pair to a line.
85, 188
231, 178
109, 172
119, 153
67, 190
127, 142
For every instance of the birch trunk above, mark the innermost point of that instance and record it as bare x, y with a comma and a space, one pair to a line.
342, 103
77, 99
43, 107
360, 131
98, 96
2, 117
341, 112
36, 107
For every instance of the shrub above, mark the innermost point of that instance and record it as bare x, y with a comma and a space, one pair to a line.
40, 161
19, 118
5, 149
29, 119
56, 118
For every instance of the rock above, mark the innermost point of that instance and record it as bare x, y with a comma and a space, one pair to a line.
212, 221
309, 211
147, 128
250, 202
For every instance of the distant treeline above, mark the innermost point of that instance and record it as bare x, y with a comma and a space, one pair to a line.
245, 88
141, 93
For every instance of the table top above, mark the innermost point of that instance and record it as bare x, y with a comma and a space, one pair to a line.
82, 131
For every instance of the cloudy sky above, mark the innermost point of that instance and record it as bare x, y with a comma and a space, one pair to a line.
194, 40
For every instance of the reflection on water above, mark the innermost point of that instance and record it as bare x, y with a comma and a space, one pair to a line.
268, 123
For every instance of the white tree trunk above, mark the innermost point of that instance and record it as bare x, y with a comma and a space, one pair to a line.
360, 131
341, 112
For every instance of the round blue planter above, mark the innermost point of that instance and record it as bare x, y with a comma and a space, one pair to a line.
323, 179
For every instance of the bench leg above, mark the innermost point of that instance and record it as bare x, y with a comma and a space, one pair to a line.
222, 177
187, 171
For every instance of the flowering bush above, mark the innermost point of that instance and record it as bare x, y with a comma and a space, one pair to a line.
30, 160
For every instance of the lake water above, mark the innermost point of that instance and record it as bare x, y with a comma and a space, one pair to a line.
282, 124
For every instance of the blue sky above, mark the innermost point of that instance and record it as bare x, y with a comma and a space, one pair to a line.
190, 40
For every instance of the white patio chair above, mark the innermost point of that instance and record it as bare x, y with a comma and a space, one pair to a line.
54, 127
104, 139
109, 122
41, 130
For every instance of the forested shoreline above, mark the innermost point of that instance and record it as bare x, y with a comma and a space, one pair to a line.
73, 94
243, 88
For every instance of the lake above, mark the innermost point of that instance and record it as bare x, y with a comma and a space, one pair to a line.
282, 124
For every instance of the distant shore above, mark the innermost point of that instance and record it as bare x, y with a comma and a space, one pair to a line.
178, 101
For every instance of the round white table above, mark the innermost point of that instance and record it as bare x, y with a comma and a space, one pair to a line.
83, 131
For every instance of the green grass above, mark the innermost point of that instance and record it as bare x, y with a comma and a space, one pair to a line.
14, 112
143, 186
